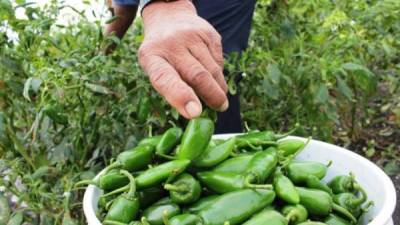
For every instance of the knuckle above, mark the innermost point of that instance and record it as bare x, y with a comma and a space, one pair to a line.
200, 78
160, 79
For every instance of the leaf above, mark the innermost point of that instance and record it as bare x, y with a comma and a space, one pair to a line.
98, 89
322, 94
31, 84
344, 88
274, 73
364, 78
269, 89
392, 168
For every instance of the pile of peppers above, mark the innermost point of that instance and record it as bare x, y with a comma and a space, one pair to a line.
184, 177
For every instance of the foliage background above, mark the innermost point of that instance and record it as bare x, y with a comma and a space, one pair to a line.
333, 66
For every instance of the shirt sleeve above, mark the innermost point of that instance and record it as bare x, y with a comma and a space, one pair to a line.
126, 2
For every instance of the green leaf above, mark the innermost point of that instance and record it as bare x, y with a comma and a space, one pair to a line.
31, 84
274, 73
322, 94
344, 88
363, 77
392, 168
98, 89
269, 89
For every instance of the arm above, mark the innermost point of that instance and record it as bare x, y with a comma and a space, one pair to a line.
125, 16
182, 54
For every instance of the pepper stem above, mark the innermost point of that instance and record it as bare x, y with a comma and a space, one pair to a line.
165, 218
344, 212
117, 191
165, 156
304, 146
362, 198
85, 183
248, 184
113, 165
111, 222
292, 215
144, 221
175, 188
279, 136
132, 183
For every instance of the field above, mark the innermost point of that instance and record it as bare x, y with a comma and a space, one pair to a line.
66, 108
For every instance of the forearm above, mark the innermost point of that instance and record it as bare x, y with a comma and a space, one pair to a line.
125, 16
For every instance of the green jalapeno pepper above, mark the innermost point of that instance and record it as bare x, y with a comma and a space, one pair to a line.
221, 182
153, 140
298, 172
184, 190
144, 109
290, 147
214, 155
320, 203
125, 208
236, 207
108, 181
312, 223
263, 164
285, 189
195, 139
295, 214
155, 214
333, 219
135, 159
236, 165
169, 140
183, 219
160, 173
267, 217
342, 183
350, 201
315, 183
150, 195
255, 140
202, 204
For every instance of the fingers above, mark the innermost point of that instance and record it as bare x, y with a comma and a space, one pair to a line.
169, 84
201, 52
203, 83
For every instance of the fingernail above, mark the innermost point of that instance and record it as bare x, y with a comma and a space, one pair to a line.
224, 106
193, 109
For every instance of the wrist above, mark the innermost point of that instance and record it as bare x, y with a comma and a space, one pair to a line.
156, 8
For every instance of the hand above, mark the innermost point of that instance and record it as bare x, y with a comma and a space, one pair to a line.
182, 54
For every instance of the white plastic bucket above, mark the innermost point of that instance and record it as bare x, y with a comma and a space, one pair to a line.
377, 184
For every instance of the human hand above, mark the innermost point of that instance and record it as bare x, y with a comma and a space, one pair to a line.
182, 54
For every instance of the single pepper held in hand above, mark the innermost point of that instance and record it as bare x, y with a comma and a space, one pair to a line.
236, 207
126, 207
295, 214
185, 190
195, 139
267, 217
